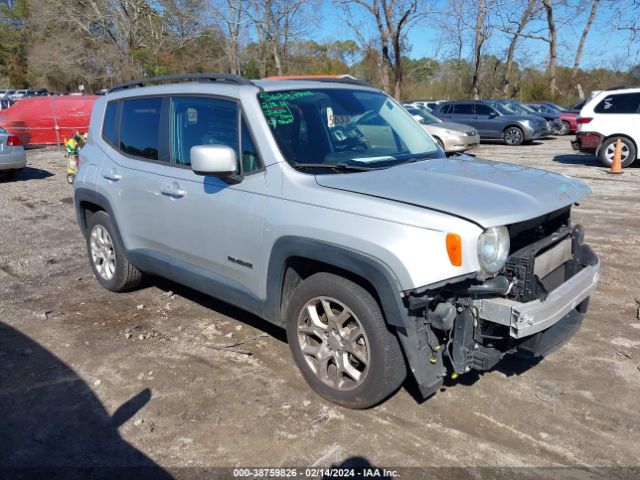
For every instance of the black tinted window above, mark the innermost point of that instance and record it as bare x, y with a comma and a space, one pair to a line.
485, 110
621, 103
463, 108
202, 121
140, 127
110, 125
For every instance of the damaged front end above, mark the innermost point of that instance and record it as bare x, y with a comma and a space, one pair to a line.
532, 306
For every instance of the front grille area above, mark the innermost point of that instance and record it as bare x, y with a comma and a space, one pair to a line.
529, 240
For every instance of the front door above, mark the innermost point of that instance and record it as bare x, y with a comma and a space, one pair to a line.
216, 227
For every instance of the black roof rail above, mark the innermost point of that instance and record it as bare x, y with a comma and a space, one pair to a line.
622, 87
348, 80
200, 77
328, 79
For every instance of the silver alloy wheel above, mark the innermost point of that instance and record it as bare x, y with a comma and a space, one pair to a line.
565, 129
333, 342
513, 136
611, 150
103, 255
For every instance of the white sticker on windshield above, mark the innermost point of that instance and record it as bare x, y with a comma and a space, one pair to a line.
330, 120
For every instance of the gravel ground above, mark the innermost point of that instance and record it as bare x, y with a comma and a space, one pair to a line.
167, 378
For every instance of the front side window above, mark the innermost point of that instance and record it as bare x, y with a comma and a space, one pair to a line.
201, 121
483, 110
355, 127
140, 127
621, 103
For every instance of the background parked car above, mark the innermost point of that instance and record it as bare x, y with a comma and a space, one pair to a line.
452, 137
567, 117
493, 122
5, 103
554, 124
12, 154
610, 115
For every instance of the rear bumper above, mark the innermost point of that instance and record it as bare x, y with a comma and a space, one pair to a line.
588, 142
12, 161
525, 319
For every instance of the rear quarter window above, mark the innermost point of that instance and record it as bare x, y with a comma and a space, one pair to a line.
140, 127
620, 103
110, 124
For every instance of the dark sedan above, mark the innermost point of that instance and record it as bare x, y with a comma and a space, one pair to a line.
493, 122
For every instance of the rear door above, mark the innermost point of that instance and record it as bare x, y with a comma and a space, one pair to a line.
464, 113
134, 171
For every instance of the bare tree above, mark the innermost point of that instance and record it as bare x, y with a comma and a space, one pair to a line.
276, 22
583, 38
481, 32
552, 39
393, 19
515, 28
232, 16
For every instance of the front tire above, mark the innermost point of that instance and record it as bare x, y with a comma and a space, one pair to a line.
608, 148
107, 257
341, 344
513, 136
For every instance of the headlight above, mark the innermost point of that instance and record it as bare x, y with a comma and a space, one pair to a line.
493, 249
453, 132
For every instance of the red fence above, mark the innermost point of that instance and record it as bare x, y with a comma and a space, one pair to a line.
47, 120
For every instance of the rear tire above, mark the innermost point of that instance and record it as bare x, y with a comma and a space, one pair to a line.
107, 255
348, 356
607, 150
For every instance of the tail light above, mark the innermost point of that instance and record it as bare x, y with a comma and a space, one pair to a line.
583, 120
13, 141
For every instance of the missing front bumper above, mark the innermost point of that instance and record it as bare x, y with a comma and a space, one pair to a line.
525, 319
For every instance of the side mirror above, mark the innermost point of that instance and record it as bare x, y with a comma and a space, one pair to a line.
215, 160
493, 115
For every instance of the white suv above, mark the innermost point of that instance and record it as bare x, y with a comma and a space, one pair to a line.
609, 115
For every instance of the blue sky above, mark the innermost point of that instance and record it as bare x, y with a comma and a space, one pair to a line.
606, 46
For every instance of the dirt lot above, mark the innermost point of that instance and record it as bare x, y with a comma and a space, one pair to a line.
164, 376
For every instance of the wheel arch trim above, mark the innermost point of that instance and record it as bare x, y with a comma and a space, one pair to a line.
83, 196
379, 275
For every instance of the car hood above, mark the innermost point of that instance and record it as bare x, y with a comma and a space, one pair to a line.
460, 127
485, 192
548, 116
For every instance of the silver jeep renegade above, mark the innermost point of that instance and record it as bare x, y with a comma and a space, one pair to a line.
323, 207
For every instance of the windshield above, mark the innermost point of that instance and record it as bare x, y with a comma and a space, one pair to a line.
344, 126
557, 107
502, 108
427, 117
521, 107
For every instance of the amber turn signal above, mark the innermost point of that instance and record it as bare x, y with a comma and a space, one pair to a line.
454, 249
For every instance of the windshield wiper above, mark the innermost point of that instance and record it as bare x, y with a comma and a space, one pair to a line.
336, 166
